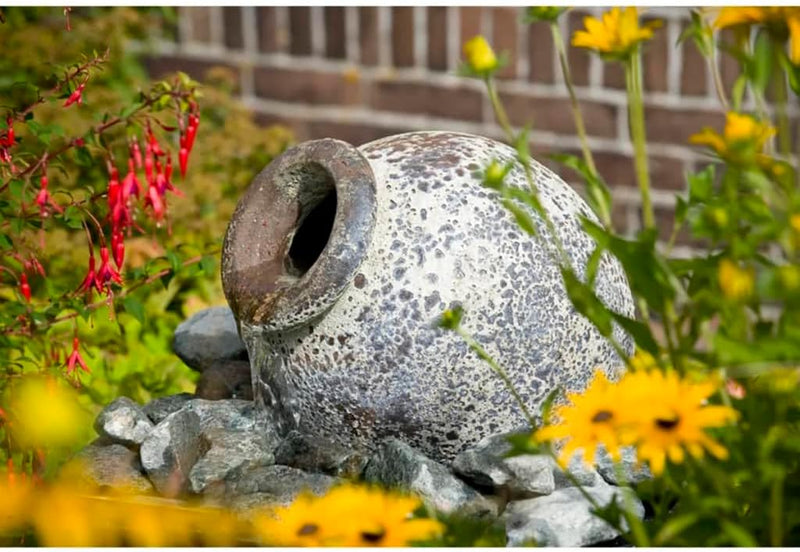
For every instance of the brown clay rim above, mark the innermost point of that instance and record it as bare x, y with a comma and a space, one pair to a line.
284, 262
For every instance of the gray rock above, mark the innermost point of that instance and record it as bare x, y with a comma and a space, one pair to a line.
226, 379
396, 464
631, 472
486, 466
171, 450
229, 415
584, 475
275, 485
124, 422
229, 451
160, 408
313, 454
563, 518
112, 466
208, 336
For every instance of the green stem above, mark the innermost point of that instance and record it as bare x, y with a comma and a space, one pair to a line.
713, 61
776, 512
499, 112
633, 80
634, 523
781, 97
501, 373
558, 41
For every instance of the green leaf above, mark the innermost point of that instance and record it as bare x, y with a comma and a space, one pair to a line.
738, 534
674, 527
135, 308
451, 318
639, 331
174, 261
766, 349
762, 62
737, 91
72, 217
209, 265
586, 302
599, 196
701, 185
521, 216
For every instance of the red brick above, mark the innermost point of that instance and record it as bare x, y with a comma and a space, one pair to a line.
470, 23
540, 53
578, 57
555, 114
674, 126
403, 37
614, 75
300, 31
437, 38
334, 32
353, 133
164, 65
298, 127
315, 87
504, 38
368, 35
232, 21
267, 29
654, 61
666, 173
729, 67
693, 69
425, 99
201, 23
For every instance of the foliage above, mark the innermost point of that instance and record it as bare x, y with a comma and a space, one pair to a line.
72, 117
727, 314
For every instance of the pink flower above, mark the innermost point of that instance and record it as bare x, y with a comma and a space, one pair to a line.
76, 358
76, 96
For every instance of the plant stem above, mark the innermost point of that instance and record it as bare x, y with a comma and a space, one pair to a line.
499, 112
784, 133
633, 80
501, 373
558, 40
713, 61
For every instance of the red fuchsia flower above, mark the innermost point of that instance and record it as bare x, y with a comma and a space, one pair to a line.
156, 202
136, 153
77, 95
33, 265
7, 140
130, 186
107, 273
113, 188
76, 358
90, 281
24, 287
118, 247
148, 164
43, 198
183, 161
153, 142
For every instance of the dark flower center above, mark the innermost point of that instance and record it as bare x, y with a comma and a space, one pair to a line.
373, 536
307, 529
667, 423
602, 416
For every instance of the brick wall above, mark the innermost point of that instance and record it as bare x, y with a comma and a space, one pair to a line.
360, 73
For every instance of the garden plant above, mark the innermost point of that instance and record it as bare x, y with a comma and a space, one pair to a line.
710, 402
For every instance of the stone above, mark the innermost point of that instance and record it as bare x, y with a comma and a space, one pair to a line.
339, 260
171, 450
583, 474
632, 472
207, 337
275, 485
114, 466
563, 518
229, 451
319, 455
226, 379
486, 467
160, 408
232, 415
123, 421
396, 464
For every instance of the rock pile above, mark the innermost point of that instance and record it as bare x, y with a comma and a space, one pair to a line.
225, 452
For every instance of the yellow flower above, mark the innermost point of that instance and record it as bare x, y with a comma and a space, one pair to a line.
349, 515
617, 34
592, 418
736, 283
794, 222
667, 415
16, 504
777, 20
46, 414
480, 56
741, 143
642, 360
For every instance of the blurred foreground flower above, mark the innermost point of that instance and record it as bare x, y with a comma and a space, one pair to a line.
657, 412
45, 413
616, 35
349, 515
741, 142
778, 20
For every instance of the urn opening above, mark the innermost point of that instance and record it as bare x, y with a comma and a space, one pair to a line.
315, 223
299, 235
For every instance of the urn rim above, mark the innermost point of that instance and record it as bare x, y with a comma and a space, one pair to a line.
294, 196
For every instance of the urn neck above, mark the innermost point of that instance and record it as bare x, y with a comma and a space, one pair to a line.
299, 234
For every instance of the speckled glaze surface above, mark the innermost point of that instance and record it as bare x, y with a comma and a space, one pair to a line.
349, 350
